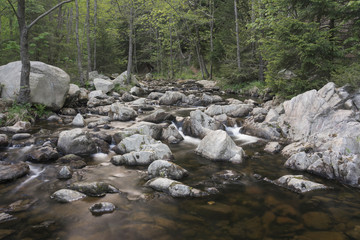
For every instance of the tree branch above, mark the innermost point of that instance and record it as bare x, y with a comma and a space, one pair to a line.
47, 12
13, 8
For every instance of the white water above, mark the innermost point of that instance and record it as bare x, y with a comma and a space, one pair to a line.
35, 171
188, 139
235, 133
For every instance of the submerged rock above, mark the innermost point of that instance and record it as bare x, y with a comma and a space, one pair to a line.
166, 169
102, 208
298, 183
9, 172
93, 189
67, 195
219, 146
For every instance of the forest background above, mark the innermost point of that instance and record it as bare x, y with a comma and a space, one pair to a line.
289, 46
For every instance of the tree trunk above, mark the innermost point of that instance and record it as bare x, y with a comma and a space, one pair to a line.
79, 62
261, 67
11, 28
171, 52
130, 57
95, 31
0, 28
237, 36
24, 93
88, 39
211, 37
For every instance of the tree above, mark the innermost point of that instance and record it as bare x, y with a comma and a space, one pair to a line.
24, 93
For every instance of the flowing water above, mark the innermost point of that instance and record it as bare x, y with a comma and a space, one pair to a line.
247, 209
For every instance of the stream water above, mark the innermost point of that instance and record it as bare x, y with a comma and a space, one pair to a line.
248, 209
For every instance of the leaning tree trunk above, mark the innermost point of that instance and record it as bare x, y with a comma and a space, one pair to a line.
237, 36
130, 57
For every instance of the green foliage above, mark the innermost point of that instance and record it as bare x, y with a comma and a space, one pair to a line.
347, 75
24, 112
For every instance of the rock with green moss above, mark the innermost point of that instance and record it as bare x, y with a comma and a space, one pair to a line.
94, 189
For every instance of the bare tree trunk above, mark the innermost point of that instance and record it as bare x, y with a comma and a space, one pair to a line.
95, 32
171, 52
79, 62
158, 51
261, 67
24, 93
135, 59
69, 24
212, 7
199, 59
130, 57
237, 36
88, 39
0, 28
11, 28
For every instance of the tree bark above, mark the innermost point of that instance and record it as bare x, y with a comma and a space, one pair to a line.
237, 36
95, 32
79, 61
88, 39
130, 57
24, 93
212, 7
171, 52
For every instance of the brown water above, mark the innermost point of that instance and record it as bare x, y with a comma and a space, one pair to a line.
249, 209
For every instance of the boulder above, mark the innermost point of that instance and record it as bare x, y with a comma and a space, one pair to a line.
136, 91
159, 116
199, 124
103, 85
78, 121
64, 173
9, 172
171, 135
95, 94
67, 196
122, 79
20, 136
49, 85
4, 141
96, 102
18, 127
273, 147
134, 158
233, 110
272, 116
102, 208
77, 142
120, 113
218, 146
150, 129
297, 183
155, 95
328, 164
127, 97
134, 143
45, 153
173, 188
173, 98
93, 189
166, 169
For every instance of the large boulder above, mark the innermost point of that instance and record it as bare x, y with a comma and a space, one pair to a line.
145, 128
134, 143
173, 98
120, 113
199, 124
232, 110
218, 146
159, 116
331, 165
77, 142
9, 172
49, 85
171, 134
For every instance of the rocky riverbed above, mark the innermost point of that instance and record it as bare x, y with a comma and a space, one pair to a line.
179, 160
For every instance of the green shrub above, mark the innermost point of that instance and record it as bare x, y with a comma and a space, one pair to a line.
347, 75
